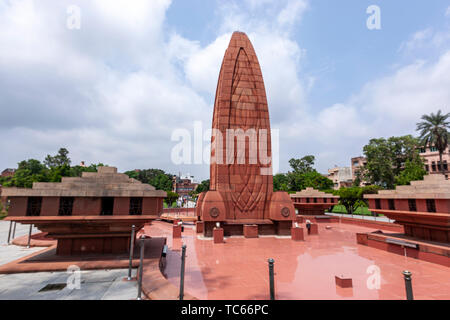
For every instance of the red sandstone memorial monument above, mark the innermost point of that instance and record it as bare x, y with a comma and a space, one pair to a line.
241, 196
423, 208
90, 214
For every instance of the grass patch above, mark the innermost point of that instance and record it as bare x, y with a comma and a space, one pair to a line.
363, 211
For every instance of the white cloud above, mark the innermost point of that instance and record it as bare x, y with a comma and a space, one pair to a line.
114, 90
447, 12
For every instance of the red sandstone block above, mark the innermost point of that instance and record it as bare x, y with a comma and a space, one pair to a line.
199, 226
176, 233
250, 231
343, 282
314, 228
297, 234
218, 235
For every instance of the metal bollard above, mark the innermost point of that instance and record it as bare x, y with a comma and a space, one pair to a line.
130, 264
29, 235
271, 279
14, 230
183, 260
9, 233
408, 285
141, 268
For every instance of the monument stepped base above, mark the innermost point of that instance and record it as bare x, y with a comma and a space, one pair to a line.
236, 227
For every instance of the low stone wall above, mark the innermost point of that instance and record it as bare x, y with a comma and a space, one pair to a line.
189, 212
374, 224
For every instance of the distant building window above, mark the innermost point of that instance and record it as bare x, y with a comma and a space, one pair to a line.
355, 163
433, 166
34, 206
107, 206
433, 149
135, 206
423, 150
65, 206
377, 204
325, 200
307, 200
412, 204
445, 165
315, 200
391, 204
427, 167
431, 205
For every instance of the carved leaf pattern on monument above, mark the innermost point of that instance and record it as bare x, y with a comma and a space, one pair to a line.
249, 192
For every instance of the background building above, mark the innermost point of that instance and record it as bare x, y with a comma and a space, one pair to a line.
183, 185
8, 172
357, 164
341, 177
430, 157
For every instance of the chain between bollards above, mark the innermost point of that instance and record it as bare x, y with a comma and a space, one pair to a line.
29, 235
141, 267
183, 260
408, 285
130, 264
271, 279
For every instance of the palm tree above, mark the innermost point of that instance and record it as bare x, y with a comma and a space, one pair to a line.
434, 132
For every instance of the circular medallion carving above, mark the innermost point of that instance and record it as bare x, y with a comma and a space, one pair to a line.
214, 212
285, 212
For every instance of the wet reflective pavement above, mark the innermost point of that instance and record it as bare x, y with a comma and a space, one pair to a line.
238, 269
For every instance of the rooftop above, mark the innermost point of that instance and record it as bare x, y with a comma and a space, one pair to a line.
104, 183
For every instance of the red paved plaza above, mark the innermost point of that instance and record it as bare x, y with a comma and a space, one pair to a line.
238, 268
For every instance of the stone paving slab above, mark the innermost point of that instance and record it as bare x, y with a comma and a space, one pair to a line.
94, 285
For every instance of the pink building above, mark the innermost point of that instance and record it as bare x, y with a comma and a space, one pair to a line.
430, 155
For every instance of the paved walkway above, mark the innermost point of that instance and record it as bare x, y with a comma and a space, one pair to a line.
238, 269
381, 219
94, 285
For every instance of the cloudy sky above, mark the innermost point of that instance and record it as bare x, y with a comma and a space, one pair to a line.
114, 90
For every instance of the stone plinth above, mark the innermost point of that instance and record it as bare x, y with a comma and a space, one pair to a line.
176, 231
297, 234
218, 235
241, 182
311, 202
343, 282
250, 231
314, 229
199, 226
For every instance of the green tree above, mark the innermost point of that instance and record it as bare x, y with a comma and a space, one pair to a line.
280, 182
304, 175
171, 198
386, 159
61, 159
28, 171
303, 165
413, 171
352, 198
155, 177
202, 187
434, 132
